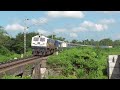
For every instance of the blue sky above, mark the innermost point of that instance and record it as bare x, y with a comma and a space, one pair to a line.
78, 25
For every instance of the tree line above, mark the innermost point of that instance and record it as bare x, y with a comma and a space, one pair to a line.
16, 45
103, 42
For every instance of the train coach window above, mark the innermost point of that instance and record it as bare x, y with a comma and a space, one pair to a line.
42, 39
36, 39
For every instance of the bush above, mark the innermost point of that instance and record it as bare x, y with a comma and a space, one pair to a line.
4, 51
86, 62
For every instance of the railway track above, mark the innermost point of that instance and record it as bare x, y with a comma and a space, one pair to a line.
12, 64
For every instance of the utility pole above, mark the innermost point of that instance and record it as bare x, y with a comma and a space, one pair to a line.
25, 28
52, 35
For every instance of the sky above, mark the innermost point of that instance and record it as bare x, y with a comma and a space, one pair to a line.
79, 25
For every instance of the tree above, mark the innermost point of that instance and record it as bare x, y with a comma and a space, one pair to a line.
52, 36
106, 42
4, 37
116, 43
10, 44
17, 44
2, 30
74, 41
60, 38
87, 42
92, 42
56, 38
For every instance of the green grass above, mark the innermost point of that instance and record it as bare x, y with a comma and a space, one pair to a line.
4, 58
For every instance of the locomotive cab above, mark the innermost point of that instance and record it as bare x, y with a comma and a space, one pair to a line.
39, 41
39, 44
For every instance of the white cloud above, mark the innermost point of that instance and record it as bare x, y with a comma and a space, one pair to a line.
94, 26
87, 24
100, 27
107, 21
74, 35
14, 27
70, 14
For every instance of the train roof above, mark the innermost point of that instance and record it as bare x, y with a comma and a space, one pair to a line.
59, 41
40, 36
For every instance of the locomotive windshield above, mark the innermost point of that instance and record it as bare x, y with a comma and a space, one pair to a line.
36, 39
42, 39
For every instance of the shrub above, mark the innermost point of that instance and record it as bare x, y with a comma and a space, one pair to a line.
86, 62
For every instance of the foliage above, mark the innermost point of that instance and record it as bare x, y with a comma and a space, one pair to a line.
81, 62
4, 37
4, 51
74, 41
62, 77
4, 58
18, 42
15, 77
56, 38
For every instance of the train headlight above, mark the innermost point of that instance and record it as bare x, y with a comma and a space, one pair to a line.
38, 42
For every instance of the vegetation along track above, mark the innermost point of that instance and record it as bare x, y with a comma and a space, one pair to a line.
7, 65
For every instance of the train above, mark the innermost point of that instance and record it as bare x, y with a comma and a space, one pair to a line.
42, 45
